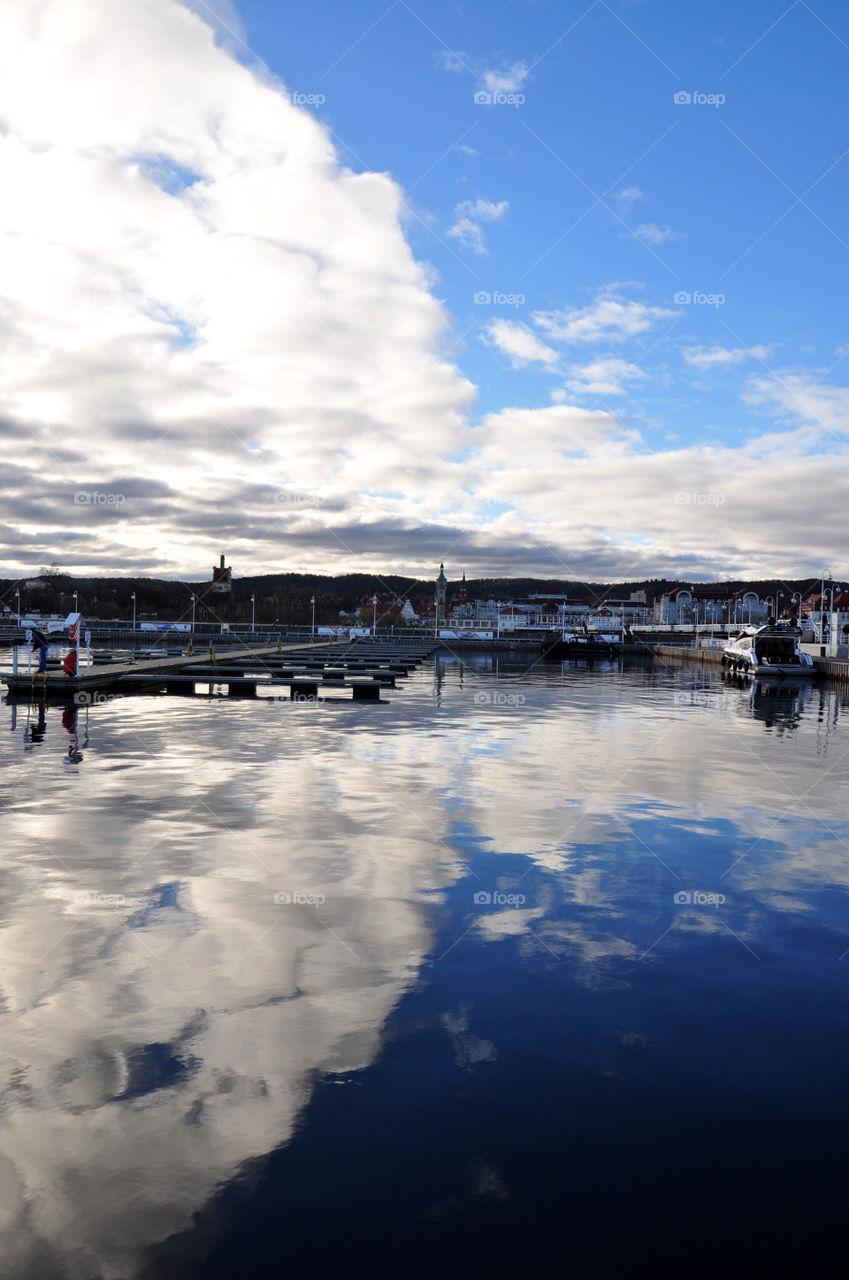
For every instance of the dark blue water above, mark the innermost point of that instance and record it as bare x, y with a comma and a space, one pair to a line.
525, 973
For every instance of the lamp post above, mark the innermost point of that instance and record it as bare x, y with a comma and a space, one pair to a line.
194, 602
374, 618
133, 598
75, 602
18, 598
253, 613
826, 577
312, 602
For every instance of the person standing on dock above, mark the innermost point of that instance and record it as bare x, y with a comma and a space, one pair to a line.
39, 642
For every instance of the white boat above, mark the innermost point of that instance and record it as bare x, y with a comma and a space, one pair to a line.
772, 650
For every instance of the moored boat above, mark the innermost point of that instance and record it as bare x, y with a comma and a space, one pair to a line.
583, 643
772, 650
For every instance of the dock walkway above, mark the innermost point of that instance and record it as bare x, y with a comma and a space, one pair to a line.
363, 668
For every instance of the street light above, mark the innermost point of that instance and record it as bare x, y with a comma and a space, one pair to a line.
18, 598
826, 577
374, 618
194, 602
312, 602
253, 613
133, 598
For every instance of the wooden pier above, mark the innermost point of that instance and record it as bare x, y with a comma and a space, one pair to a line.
362, 668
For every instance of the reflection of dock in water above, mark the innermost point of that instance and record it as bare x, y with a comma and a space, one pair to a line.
362, 667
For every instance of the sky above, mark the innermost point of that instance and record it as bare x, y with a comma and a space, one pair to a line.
524, 286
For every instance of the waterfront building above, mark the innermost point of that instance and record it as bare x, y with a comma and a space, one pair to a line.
222, 579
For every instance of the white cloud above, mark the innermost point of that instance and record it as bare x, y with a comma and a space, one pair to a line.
205, 309
453, 59
519, 342
650, 233
703, 358
200, 294
606, 319
604, 377
629, 195
508, 78
816, 404
505, 79
469, 215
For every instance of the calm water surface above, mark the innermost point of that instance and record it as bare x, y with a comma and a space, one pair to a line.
524, 973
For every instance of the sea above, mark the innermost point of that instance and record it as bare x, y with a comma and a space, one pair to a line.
532, 969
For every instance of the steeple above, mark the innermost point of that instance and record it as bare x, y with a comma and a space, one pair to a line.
441, 587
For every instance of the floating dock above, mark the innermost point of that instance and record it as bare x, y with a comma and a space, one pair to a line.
362, 668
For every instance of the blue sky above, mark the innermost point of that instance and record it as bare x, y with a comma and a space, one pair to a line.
627, 262
598, 149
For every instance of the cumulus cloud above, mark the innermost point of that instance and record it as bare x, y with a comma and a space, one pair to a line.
205, 313
197, 287
519, 342
607, 318
469, 215
604, 377
703, 358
